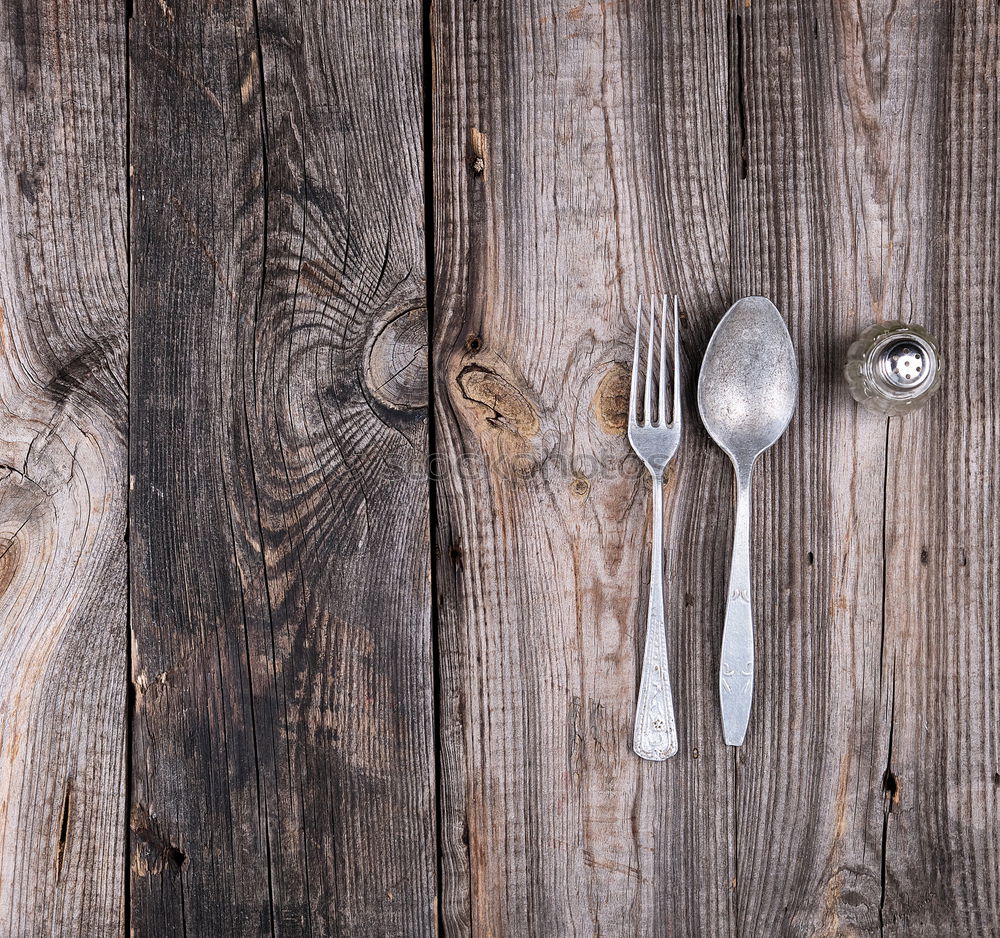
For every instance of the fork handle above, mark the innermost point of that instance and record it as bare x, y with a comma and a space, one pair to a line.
655, 727
737, 664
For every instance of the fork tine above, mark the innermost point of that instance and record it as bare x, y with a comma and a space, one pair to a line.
646, 416
675, 417
662, 415
633, 398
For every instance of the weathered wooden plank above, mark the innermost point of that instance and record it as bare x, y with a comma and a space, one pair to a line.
63, 311
580, 158
941, 729
280, 593
834, 218
806, 781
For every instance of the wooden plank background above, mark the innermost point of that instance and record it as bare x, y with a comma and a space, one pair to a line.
63, 467
283, 728
322, 547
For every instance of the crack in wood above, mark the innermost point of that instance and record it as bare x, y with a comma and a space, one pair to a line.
64, 816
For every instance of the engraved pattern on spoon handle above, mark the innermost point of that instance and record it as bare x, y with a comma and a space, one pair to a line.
737, 663
655, 726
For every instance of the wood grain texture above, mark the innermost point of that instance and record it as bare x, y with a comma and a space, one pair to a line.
63, 415
843, 160
941, 727
579, 158
214, 413
283, 782
857, 160
803, 203
833, 217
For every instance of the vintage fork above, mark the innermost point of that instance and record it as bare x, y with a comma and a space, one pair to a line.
655, 442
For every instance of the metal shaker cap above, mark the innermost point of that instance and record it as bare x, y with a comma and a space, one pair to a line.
893, 367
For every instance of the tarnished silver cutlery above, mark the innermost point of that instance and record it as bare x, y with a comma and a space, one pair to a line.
655, 441
747, 392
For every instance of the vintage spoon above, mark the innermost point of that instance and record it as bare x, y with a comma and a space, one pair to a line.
746, 395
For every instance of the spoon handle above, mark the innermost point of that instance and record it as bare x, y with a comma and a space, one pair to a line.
736, 669
655, 727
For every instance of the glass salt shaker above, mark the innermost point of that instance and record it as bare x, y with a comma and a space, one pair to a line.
893, 368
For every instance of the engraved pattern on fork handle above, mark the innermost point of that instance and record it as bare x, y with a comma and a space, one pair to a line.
655, 726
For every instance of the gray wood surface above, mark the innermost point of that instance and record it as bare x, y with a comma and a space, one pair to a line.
831, 181
941, 712
864, 144
282, 738
63, 419
580, 158
847, 176
263, 673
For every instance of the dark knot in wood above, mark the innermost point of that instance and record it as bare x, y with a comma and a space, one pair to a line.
153, 853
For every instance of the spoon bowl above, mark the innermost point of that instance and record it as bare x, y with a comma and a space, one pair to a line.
749, 380
747, 392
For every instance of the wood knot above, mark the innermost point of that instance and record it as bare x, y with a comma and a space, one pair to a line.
477, 152
397, 359
580, 487
22, 533
10, 559
890, 785
611, 400
502, 404
153, 853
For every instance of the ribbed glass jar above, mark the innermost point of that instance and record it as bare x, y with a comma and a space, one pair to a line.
893, 367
